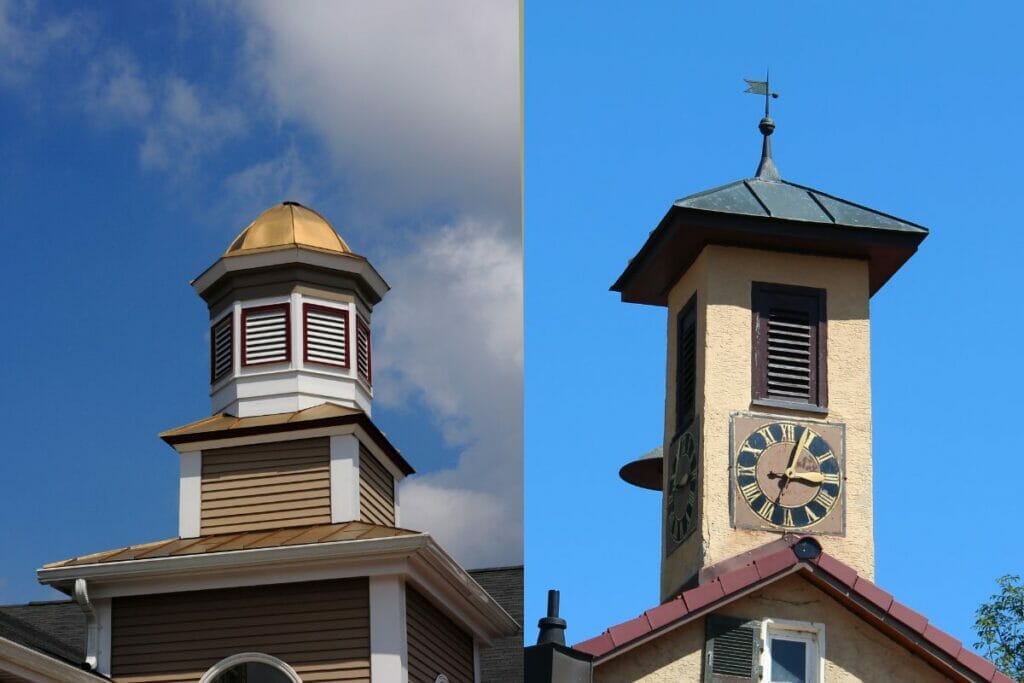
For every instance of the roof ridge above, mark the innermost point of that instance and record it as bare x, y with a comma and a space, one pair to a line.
764, 568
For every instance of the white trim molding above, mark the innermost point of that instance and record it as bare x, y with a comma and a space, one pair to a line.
810, 633
389, 658
344, 478
248, 658
37, 667
189, 494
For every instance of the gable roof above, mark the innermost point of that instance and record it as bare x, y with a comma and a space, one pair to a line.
736, 577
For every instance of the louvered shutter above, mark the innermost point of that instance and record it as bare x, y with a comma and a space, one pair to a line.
326, 335
686, 365
221, 348
364, 360
789, 344
732, 650
266, 335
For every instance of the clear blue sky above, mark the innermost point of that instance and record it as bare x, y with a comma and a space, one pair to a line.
910, 108
138, 139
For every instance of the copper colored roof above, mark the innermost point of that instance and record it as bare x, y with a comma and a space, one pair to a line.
288, 224
245, 540
224, 426
733, 578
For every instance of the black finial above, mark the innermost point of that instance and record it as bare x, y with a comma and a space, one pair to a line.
766, 168
552, 629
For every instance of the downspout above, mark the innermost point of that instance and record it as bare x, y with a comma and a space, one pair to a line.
92, 625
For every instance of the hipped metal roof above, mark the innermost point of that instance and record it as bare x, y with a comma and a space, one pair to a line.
770, 214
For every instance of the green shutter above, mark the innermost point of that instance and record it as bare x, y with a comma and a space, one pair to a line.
732, 650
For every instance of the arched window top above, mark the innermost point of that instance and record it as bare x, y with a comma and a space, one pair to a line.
251, 667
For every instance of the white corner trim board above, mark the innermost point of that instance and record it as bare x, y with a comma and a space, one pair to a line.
189, 490
344, 478
388, 645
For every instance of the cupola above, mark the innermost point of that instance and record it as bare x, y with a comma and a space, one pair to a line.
290, 317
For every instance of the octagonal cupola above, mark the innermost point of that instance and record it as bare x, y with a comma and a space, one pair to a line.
290, 317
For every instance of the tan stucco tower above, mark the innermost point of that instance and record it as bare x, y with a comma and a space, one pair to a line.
768, 395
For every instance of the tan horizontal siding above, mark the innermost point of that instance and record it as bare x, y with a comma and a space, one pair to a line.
436, 645
321, 629
266, 486
376, 490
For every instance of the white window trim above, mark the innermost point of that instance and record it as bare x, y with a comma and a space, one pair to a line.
249, 658
805, 630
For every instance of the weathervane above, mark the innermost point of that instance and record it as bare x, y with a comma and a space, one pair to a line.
766, 169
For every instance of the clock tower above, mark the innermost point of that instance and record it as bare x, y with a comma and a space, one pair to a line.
767, 285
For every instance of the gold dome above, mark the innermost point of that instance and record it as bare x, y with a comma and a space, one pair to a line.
288, 224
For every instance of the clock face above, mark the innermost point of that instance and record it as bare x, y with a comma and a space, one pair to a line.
681, 489
787, 475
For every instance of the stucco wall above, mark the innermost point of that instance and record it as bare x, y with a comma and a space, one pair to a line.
722, 277
854, 650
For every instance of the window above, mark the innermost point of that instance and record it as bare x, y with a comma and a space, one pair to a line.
793, 652
221, 351
772, 651
364, 361
266, 335
326, 334
686, 365
251, 667
789, 363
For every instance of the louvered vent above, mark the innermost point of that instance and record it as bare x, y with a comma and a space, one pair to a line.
789, 344
266, 334
326, 332
686, 368
734, 653
221, 349
364, 363
789, 354
733, 648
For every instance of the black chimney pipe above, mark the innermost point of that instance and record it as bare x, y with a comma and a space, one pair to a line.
552, 629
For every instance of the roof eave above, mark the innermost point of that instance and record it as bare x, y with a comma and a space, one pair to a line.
484, 615
176, 440
683, 232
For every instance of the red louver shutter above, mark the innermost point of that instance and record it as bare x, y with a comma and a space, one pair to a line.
364, 359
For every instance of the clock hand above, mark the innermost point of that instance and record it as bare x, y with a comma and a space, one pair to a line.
791, 467
809, 477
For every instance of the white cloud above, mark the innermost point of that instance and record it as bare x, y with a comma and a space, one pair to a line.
187, 127
115, 90
418, 101
451, 332
26, 38
288, 176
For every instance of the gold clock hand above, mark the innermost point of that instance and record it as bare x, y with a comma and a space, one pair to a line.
802, 443
809, 477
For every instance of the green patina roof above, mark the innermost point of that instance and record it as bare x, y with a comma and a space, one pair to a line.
781, 199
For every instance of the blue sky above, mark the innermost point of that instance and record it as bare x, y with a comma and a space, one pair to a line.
139, 138
910, 108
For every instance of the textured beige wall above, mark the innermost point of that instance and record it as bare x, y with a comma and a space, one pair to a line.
854, 650
722, 278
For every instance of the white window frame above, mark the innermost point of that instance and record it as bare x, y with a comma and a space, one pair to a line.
812, 633
248, 658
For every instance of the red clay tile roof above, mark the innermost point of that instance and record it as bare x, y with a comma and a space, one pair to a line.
245, 540
224, 426
730, 579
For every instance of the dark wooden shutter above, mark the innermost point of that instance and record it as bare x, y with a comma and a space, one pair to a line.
732, 650
266, 335
221, 351
789, 361
686, 365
